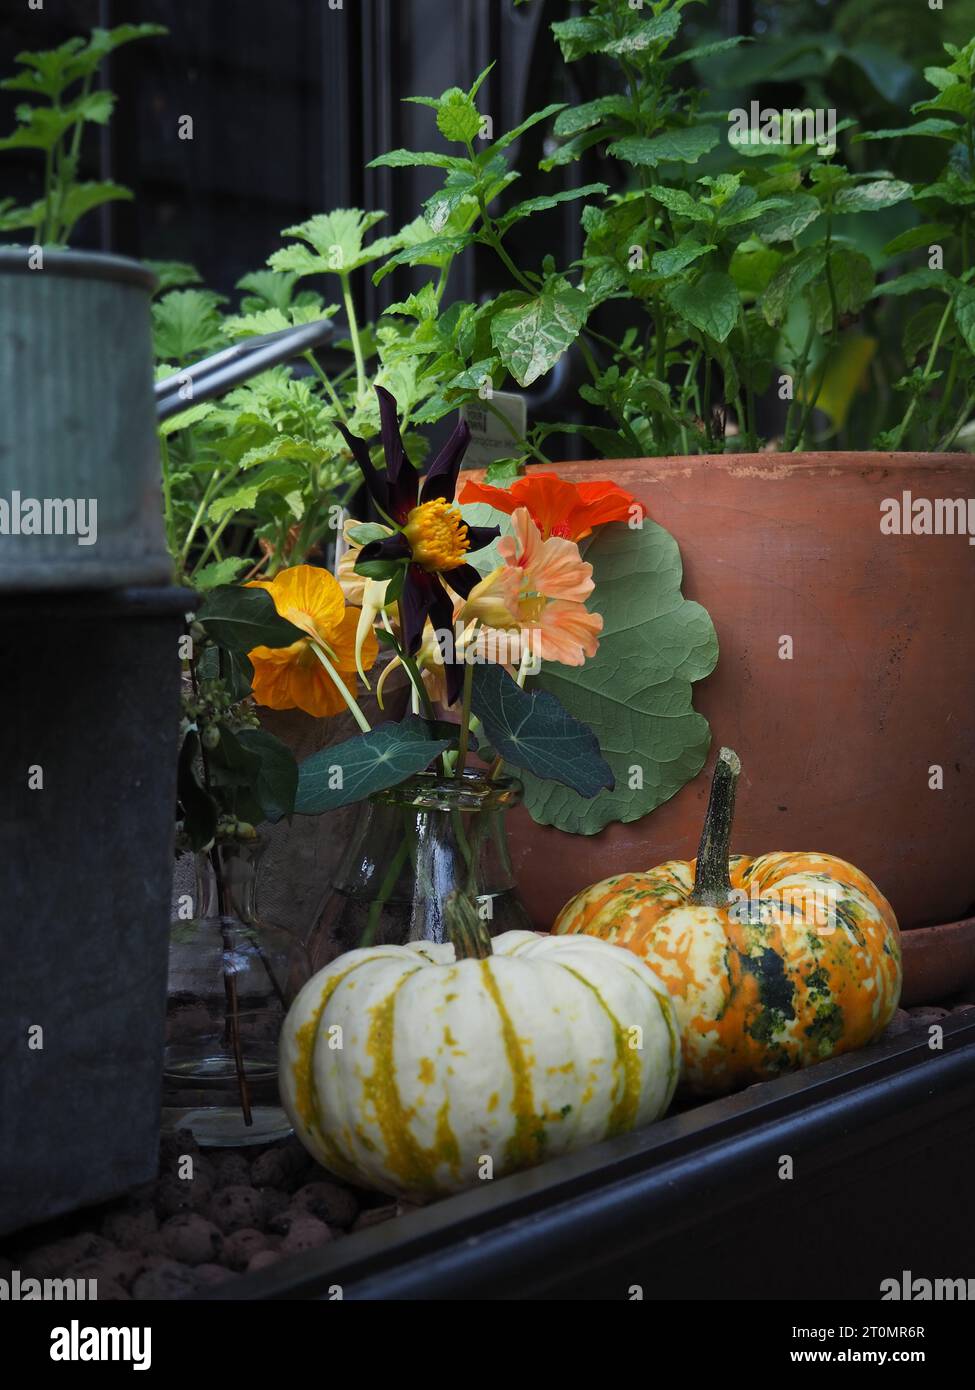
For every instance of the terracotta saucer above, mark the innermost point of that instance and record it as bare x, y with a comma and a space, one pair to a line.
939, 962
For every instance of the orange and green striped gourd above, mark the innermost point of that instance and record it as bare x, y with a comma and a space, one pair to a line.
423, 1069
773, 963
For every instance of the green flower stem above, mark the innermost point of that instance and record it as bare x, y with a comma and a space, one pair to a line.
465, 713
343, 689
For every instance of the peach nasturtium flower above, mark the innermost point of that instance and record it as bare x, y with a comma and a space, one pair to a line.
294, 677
558, 507
538, 594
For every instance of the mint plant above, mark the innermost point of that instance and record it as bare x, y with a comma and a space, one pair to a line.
63, 101
739, 267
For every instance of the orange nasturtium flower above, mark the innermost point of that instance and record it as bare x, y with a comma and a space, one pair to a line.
294, 677
538, 595
558, 507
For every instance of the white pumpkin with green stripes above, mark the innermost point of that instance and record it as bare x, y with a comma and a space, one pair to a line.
406, 1069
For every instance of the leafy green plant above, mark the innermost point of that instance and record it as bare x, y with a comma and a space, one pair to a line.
738, 271
63, 101
261, 478
232, 773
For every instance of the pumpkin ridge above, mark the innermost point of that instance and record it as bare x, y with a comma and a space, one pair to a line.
306, 1093
404, 1156
525, 1146
623, 1113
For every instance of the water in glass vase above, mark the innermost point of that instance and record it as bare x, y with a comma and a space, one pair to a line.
231, 981
411, 847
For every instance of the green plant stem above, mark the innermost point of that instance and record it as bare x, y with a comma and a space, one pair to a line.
465, 714
617, 414
797, 380
382, 898
751, 421
909, 414
523, 443
323, 378
948, 439
343, 689
168, 518
349, 306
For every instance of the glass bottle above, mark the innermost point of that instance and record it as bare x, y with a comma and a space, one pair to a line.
232, 978
411, 847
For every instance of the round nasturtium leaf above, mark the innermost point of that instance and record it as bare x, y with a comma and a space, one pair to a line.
635, 693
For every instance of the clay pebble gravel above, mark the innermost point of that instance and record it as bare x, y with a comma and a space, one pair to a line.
213, 1216
209, 1217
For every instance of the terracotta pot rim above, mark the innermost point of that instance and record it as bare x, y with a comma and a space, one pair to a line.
782, 463
961, 926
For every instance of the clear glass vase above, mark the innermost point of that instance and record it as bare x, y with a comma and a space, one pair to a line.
232, 978
410, 849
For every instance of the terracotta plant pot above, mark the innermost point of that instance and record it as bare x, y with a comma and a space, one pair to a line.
938, 962
837, 742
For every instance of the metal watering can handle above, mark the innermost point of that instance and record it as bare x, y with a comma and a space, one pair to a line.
229, 367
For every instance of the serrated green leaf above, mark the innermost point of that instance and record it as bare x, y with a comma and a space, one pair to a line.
534, 732
913, 280
871, 197
81, 198
368, 763
546, 201
173, 275
965, 315
516, 132
458, 118
635, 693
673, 146
681, 203
676, 259
785, 223
660, 29
220, 572
853, 278
186, 324
790, 280
928, 234
435, 251
416, 159
531, 336
580, 35
575, 119
711, 303
336, 242
932, 126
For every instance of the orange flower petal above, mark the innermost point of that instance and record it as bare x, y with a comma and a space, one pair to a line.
558, 507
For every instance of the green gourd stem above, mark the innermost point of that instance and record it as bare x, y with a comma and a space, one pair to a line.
467, 930
712, 885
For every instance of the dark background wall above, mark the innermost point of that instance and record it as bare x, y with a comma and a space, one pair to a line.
289, 100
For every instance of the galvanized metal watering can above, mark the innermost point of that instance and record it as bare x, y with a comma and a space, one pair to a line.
80, 503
